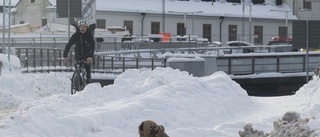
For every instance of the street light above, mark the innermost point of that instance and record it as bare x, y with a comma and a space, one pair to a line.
185, 17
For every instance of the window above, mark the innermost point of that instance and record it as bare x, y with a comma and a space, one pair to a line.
209, 0
101, 23
258, 31
32, 1
129, 26
283, 31
155, 27
232, 32
306, 5
258, 1
181, 30
207, 31
44, 21
234, 1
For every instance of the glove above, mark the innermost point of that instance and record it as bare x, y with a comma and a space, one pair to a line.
89, 60
65, 60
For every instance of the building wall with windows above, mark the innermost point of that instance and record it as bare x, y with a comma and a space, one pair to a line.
215, 28
30, 11
142, 25
305, 9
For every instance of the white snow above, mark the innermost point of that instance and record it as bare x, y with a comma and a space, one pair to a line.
40, 105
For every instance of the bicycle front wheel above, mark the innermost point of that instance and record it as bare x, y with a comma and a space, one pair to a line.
75, 83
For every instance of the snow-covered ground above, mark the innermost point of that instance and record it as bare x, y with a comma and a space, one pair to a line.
40, 105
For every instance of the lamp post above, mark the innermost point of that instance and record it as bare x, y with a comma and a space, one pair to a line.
185, 17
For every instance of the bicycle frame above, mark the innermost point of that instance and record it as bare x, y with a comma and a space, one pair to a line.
79, 77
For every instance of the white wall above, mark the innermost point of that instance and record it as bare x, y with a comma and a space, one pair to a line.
270, 27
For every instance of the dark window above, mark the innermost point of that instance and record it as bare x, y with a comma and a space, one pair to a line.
258, 1
22, 22
283, 31
101, 23
258, 32
155, 27
209, 0
129, 26
44, 22
207, 31
279, 2
181, 30
32, 1
232, 32
306, 5
234, 1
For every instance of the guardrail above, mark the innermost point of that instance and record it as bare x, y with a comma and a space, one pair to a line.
49, 59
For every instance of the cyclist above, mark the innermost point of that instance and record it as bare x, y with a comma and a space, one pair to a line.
84, 46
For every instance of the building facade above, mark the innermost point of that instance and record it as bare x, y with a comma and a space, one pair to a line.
220, 27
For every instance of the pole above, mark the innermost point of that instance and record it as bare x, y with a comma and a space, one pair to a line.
3, 26
287, 19
307, 47
250, 15
163, 15
185, 20
192, 24
243, 19
68, 18
9, 31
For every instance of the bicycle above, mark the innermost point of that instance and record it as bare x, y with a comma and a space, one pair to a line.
79, 77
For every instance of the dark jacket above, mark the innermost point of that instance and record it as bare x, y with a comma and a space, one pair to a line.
84, 45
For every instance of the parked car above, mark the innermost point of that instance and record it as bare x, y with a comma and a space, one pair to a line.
241, 43
280, 41
281, 44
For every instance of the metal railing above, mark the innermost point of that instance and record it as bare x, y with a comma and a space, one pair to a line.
49, 59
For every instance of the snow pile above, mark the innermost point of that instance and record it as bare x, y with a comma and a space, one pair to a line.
6, 66
291, 125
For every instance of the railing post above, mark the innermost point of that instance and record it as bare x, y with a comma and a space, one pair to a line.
41, 59
34, 60
253, 65
137, 63
278, 64
103, 62
112, 63
123, 64
48, 59
229, 64
152, 63
27, 59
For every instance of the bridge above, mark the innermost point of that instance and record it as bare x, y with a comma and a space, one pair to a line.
117, 57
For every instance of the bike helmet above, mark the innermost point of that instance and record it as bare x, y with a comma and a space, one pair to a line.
83, 22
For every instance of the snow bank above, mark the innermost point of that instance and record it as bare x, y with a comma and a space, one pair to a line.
6, 66
290, 125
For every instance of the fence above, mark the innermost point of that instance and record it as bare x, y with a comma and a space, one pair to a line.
49, 59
